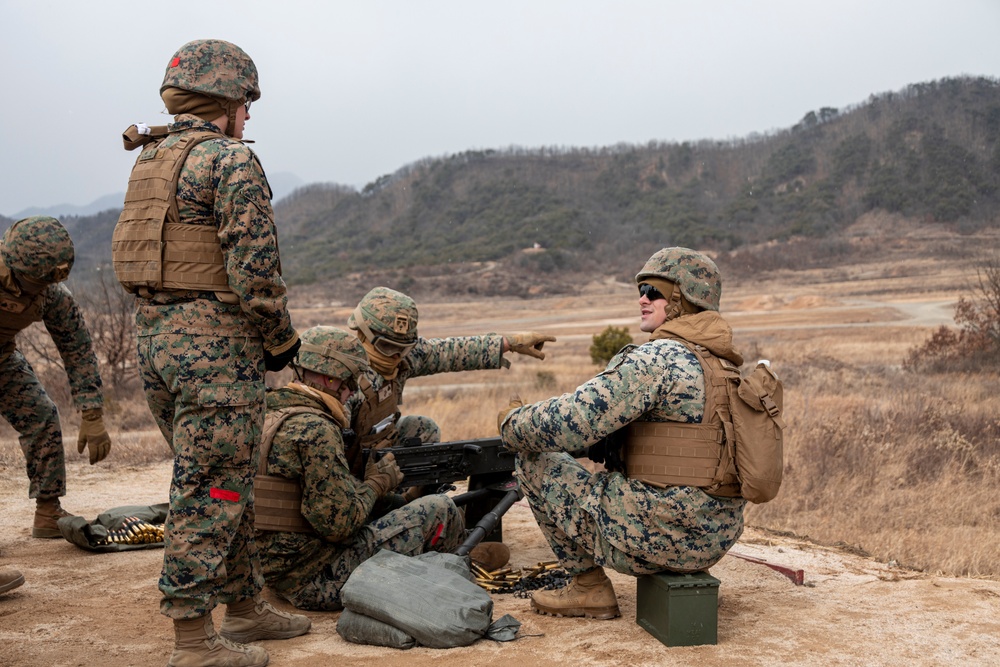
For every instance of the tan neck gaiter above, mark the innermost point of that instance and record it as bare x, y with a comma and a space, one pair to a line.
332, 404
387, 367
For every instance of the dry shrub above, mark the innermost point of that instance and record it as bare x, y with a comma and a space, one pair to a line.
135, 447
976, 342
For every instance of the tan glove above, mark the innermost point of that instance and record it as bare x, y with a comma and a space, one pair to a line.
383, 475
515, 403
528, 343
94, 435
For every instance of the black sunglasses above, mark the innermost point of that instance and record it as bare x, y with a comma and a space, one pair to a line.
246, 104
650, 292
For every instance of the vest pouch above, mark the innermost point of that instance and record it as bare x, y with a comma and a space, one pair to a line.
278, 505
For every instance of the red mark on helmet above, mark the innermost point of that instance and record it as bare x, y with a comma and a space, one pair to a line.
175, 62
223, 494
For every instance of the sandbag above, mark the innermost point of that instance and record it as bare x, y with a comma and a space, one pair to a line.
360, 629
431, 598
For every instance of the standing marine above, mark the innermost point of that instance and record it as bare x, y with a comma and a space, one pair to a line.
196, 243
37, 255
648, 518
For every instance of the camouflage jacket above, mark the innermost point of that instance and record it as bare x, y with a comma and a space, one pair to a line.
309, 449
62, 318
223, 184
439, 355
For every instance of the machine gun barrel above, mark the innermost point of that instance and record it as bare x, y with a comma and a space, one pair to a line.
489, 522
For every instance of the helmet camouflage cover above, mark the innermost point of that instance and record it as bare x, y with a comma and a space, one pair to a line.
387, 313
331, 352
38, 248
696, 275
213, 67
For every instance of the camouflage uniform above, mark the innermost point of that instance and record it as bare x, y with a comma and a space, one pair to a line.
309, 569
428, 357
386, 321
202, 365
23, 401
604, 518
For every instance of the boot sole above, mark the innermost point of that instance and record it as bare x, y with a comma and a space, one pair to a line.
11, 585
248, 637
46, 533
598, 613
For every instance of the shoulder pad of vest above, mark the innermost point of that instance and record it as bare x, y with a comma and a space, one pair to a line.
140, 134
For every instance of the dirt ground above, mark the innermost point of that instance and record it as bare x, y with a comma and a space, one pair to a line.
80, 608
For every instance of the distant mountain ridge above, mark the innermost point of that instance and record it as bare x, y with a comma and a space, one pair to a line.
515, 221
61, 210
282, 183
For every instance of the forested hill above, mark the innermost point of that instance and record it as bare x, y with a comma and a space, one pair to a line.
930, 152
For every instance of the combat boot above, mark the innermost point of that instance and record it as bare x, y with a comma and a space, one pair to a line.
47, 515
10, 579
197, 645
590, 594
253, 620
490, 556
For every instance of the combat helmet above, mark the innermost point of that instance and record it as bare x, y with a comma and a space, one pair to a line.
38, 249
332, 352
695, 274
387, 319
213, 67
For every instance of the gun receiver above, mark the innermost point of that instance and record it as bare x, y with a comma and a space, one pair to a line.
439, 463
485, 462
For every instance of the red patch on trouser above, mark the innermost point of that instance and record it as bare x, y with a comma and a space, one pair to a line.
437, 534
223, 494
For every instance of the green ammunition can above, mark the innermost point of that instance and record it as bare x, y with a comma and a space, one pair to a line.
679, 609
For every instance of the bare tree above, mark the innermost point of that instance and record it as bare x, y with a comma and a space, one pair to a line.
108, 310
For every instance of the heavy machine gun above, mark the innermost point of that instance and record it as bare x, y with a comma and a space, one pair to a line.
484, 462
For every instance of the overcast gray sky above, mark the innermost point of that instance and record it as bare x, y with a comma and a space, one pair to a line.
354, 90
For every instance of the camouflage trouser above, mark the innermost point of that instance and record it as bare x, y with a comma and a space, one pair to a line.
414, 426
207, 396
580, 513
26, 406
431, 523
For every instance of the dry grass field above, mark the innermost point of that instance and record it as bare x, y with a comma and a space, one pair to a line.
895, 467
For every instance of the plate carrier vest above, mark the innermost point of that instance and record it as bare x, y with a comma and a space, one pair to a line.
17, 312
151, 249
666, 454
377, 406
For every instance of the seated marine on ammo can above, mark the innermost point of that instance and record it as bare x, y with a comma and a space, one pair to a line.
659, 512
